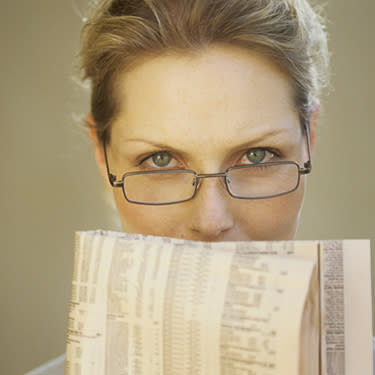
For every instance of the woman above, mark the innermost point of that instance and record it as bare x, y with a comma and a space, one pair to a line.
204, 113
205, 86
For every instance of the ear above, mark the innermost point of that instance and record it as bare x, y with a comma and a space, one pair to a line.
98, 147
314, 117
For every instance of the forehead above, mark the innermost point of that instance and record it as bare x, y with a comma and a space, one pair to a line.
218, 94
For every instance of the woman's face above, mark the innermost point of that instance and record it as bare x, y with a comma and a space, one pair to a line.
221, 107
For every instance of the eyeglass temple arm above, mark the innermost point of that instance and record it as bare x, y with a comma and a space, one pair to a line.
307, 165
111, 177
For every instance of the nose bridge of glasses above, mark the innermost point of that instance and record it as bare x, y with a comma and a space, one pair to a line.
210, 175
199, 177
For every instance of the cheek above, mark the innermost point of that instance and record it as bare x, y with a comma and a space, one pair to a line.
272, 219
142, 219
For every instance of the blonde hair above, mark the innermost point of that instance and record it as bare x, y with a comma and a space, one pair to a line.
117, 33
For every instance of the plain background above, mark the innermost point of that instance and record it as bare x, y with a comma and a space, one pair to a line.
50, 186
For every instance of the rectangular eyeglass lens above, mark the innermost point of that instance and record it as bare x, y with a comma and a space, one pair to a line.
159, 187
263, 180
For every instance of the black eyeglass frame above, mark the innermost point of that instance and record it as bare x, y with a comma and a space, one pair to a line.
307, 167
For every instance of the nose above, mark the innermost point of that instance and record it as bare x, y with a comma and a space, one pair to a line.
211, 216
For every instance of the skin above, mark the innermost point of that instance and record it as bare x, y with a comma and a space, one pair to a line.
207, 109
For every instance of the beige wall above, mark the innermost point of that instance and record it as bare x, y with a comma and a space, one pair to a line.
50, 186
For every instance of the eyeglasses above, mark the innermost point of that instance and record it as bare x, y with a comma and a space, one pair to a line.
255, 181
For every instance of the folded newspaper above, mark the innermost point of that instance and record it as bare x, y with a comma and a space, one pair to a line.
145, 305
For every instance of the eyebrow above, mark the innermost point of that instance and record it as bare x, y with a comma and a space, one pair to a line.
261, 138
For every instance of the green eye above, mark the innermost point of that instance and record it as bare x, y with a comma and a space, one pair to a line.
256, 155
161, 159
